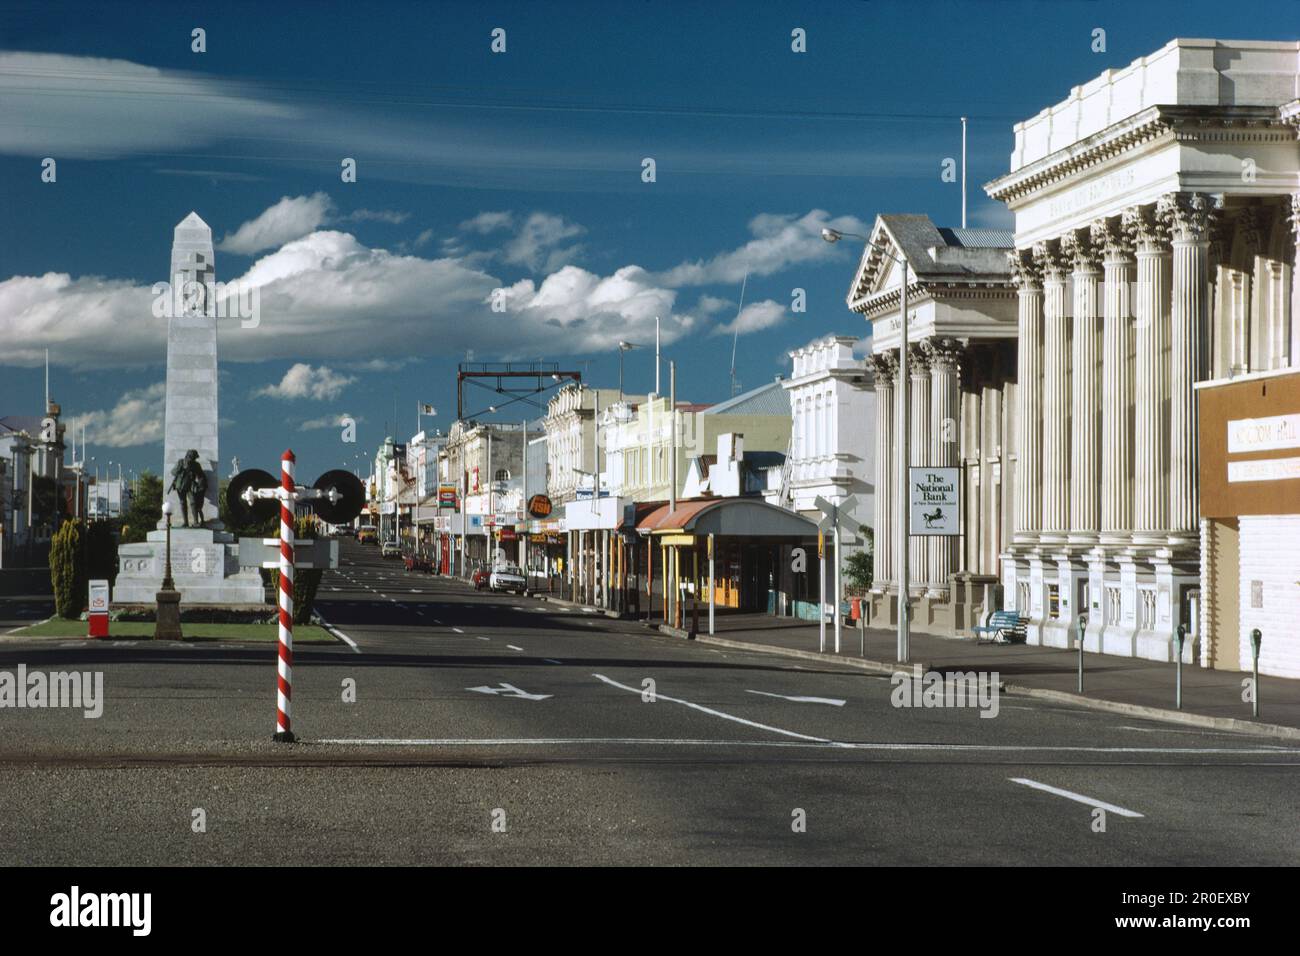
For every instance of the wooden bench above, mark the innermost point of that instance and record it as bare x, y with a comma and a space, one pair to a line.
1005, 626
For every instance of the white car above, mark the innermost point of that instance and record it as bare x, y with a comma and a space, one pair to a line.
508, 578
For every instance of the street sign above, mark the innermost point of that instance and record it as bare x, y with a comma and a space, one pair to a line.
311, 553
934, 501
837, 513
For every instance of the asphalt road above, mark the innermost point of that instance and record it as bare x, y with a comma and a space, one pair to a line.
495, 729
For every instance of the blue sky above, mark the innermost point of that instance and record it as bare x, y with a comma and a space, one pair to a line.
478, 171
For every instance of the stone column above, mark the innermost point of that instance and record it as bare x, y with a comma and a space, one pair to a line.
919, 372
1187, 217
943, 356
1151, 373
1056, 392
1295, 280
1117, 381
1085, 464
884, 566
1029, 375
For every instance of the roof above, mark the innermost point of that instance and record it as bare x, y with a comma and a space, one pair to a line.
769, 399
729, 517
979, 238
933, 255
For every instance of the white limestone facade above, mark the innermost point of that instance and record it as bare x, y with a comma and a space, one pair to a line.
961, 383
832, 440
1152, 251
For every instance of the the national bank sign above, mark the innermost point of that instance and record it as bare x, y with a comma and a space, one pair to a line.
934, 496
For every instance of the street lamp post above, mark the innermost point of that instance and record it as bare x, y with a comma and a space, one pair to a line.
902, 427
167, 617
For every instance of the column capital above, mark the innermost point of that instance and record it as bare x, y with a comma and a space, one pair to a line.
918, 361
885, 367
1146, 230
1110, 236
1050, 260
942, 355
1079, 248
1024, 271
1187, 216
1293, 217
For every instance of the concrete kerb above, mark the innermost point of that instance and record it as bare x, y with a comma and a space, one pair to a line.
1204, 721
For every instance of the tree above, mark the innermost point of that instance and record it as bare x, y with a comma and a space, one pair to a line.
146, 508
67, 570
858, 566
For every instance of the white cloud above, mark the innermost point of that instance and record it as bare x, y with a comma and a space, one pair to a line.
486, 222
303, 381
754, 318
328, 421
136, 419
89, 107
779, 242
291, 218
326, 297
539, 243
389, 216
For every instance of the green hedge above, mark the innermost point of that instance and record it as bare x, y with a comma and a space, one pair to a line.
79, 553
306, 580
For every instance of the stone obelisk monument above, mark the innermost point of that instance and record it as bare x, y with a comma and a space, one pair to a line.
205, 558
191, 416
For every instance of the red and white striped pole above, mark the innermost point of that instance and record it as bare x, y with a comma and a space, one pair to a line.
284, 695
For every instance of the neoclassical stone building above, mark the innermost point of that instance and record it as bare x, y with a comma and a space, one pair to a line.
962, 348
1155, 247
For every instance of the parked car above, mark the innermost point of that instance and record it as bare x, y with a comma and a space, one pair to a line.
508, 578
390, 550
480, 577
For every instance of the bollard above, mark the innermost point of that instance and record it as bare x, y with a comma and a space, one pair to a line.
1178, 680
1083, 626
1255, 639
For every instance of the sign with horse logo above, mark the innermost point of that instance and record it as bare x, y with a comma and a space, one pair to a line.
934, 500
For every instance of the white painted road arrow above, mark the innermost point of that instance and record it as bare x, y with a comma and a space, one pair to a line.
833, 701
508, 690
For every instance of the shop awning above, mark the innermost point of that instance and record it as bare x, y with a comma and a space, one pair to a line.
730, 517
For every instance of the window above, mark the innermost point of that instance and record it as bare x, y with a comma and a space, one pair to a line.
502, 474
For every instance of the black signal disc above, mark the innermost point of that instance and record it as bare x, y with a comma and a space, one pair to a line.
241, 513
348, 506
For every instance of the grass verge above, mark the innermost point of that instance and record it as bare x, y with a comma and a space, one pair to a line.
129, 630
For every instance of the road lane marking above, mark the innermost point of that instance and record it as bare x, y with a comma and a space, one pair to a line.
1076, 797
340, 635
717, 713
833, 701
508, 690
513, 648
458, 630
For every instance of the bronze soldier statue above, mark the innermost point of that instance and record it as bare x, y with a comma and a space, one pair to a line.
190, 484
